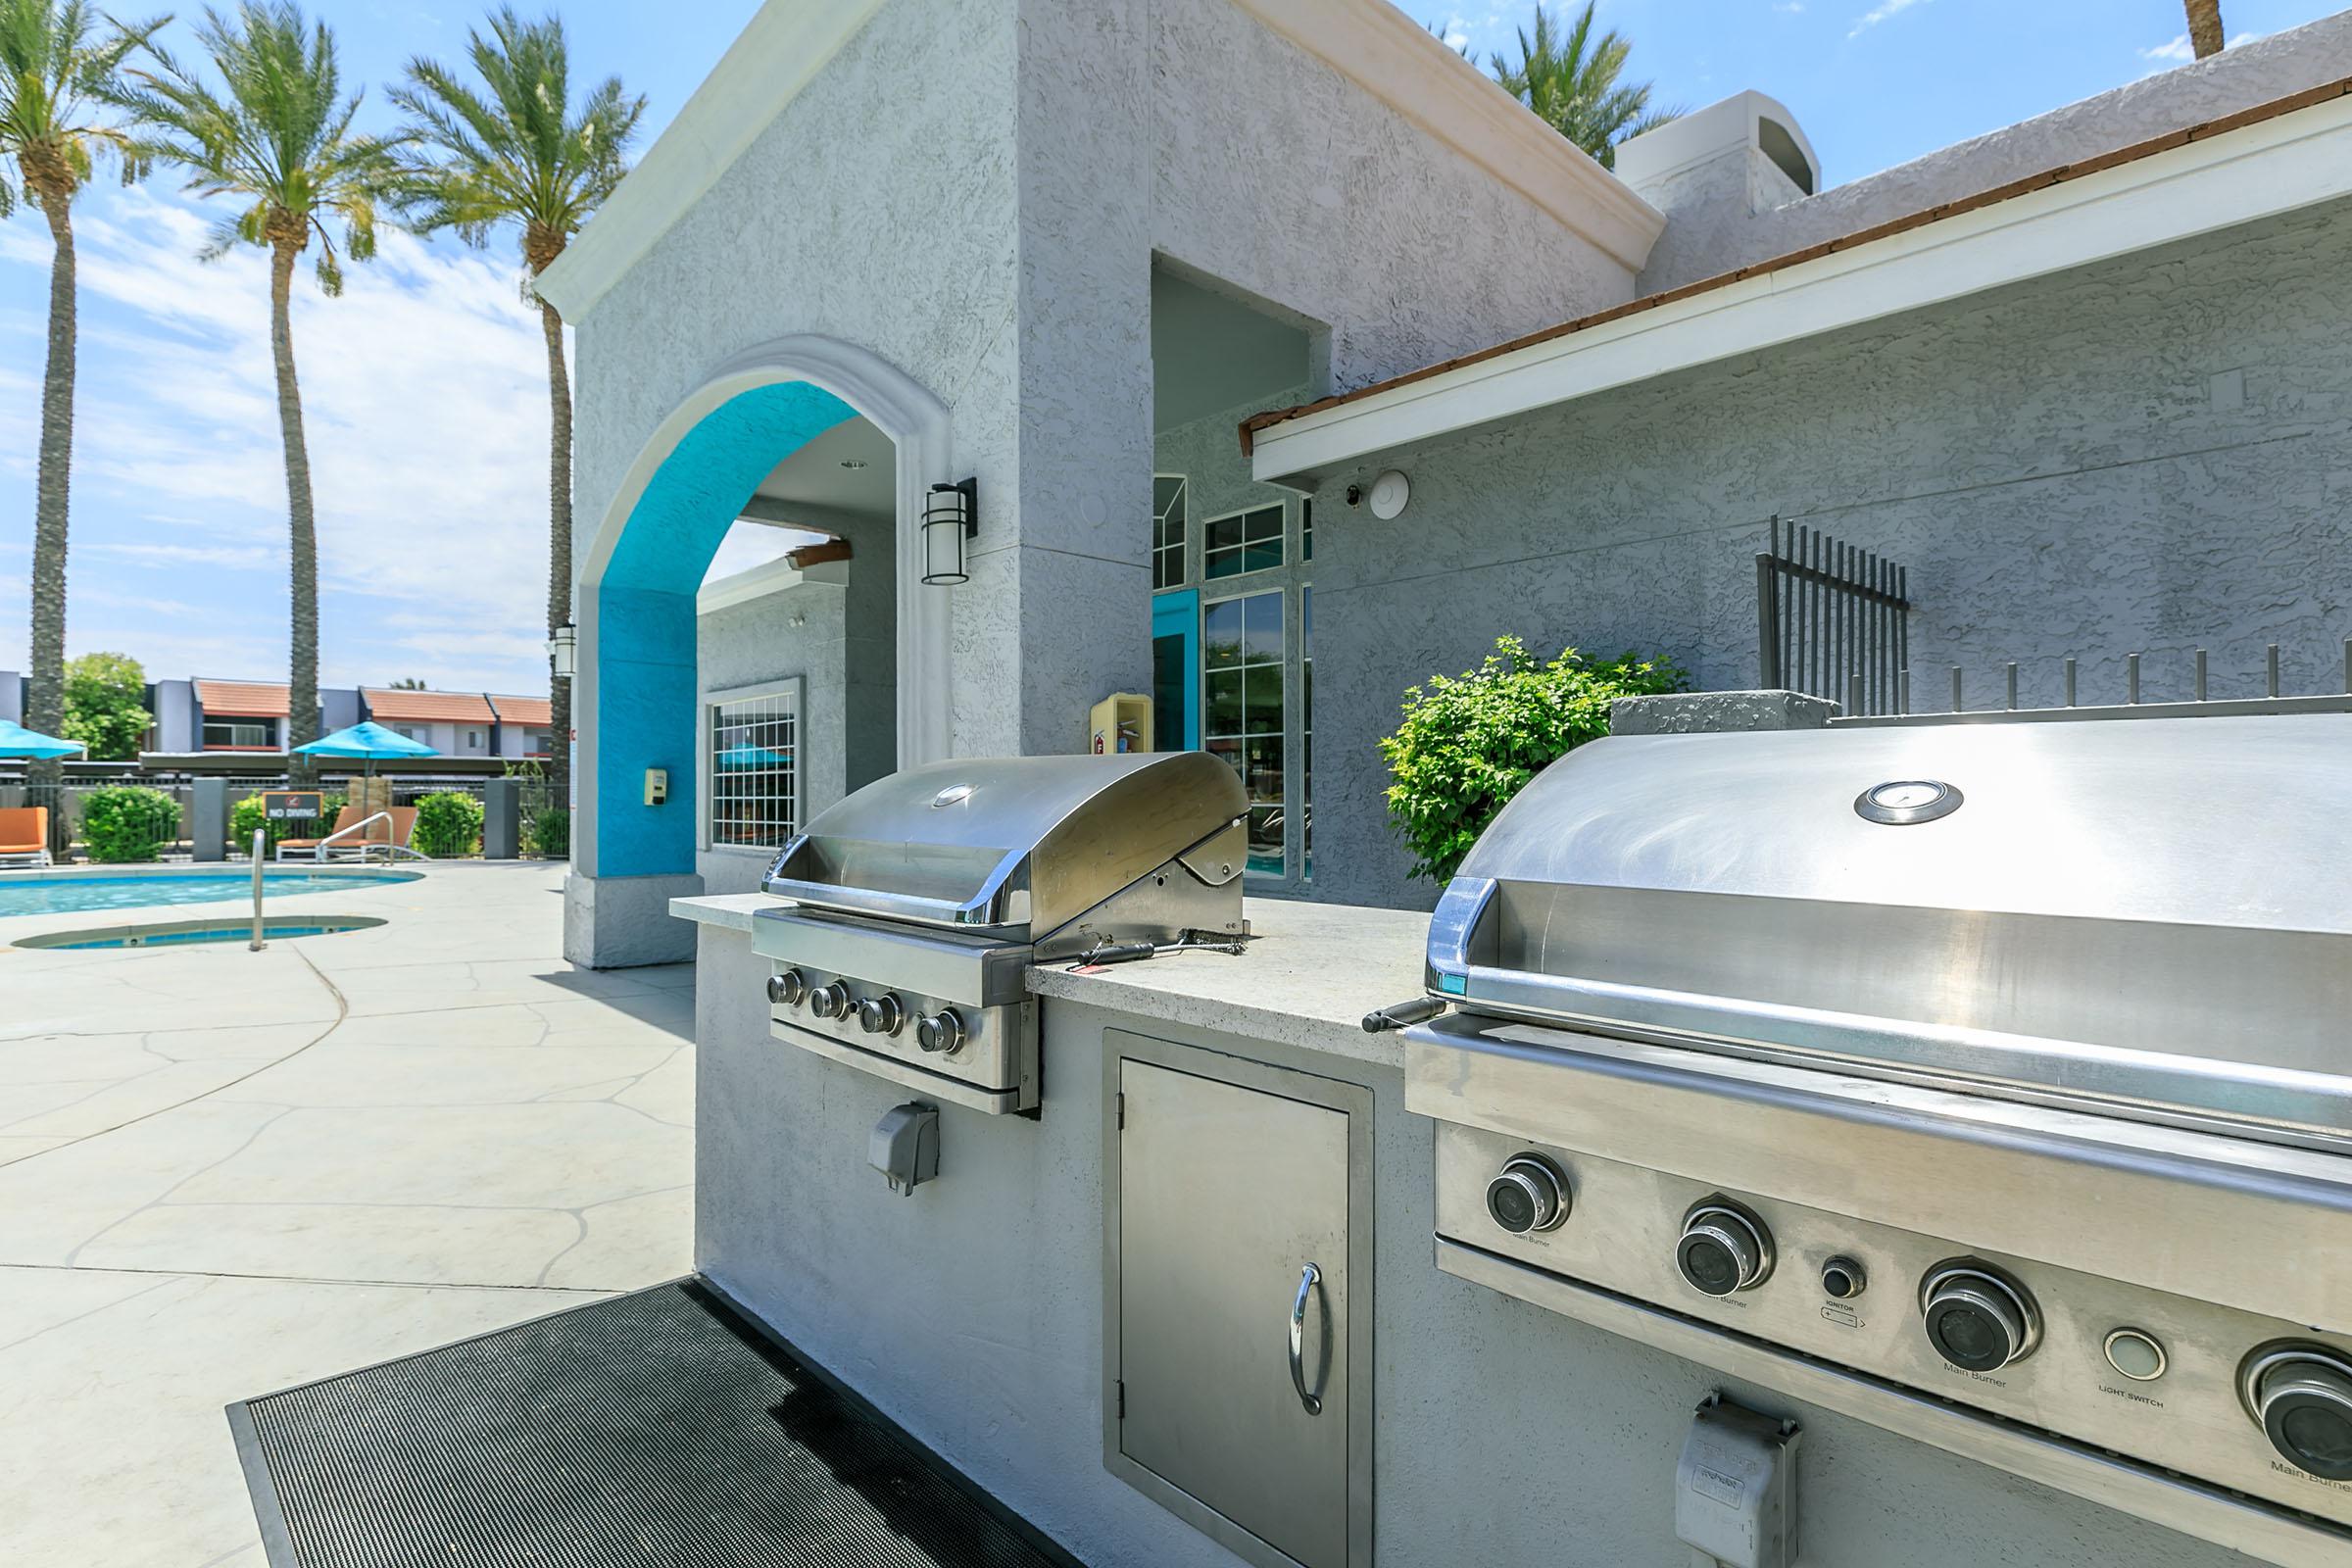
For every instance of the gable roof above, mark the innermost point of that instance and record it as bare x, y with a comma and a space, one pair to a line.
524, 711
242, 699
2182, 210
427, 708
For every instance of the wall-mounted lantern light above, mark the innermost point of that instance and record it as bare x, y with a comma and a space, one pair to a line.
951, 516
563, 646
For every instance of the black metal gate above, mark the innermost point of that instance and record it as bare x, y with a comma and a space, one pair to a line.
1831, 619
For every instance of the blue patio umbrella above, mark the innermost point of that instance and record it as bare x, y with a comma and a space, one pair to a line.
18, 741
371, 742
749, 756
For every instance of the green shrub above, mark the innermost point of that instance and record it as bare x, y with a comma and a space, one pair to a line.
449, 825
127, 822
246, 816
1470, 742
551, 833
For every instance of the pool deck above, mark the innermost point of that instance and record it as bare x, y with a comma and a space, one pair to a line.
222, 1172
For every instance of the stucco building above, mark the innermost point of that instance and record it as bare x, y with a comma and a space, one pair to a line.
1283, 361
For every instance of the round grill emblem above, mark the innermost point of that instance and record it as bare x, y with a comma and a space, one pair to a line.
1902, 802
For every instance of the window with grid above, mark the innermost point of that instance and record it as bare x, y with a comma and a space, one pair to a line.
1245, 541
1167, 530
751, 763
1242, 659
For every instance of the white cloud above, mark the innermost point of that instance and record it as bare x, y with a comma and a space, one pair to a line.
2178, 49
1791, 8
424, 401
1885, 10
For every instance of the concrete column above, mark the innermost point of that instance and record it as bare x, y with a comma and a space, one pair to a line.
208, 820
502, 820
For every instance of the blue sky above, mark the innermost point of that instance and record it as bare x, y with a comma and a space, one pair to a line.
426, 383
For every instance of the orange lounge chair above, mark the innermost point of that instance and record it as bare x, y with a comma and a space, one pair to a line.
342, 841
25, 835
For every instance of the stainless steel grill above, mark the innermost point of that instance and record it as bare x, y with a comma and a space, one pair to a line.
921, 900
2007, 1066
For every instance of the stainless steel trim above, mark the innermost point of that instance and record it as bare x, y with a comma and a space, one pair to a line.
1309, 1277
974, 972
1976, 1170
938, 1086
2209, 1513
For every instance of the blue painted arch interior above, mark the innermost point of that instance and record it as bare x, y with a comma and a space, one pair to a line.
647, 699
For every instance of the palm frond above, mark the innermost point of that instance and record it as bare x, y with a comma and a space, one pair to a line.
508, 148
59, 64
1569, 77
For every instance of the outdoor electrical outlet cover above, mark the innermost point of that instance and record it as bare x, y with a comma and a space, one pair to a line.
1734, 1488
904, 1146
656, 785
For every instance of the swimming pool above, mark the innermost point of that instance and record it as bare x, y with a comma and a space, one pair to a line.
66, 895
178, 933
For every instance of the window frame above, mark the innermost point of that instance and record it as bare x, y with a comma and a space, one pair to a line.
794, 690
1183, 548
1283, 511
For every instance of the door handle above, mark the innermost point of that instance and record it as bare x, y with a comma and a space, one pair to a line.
1310, 1279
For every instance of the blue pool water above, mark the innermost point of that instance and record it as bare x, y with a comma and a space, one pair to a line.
66, 895
224, 931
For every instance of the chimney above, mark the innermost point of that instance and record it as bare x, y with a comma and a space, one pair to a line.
1710, 173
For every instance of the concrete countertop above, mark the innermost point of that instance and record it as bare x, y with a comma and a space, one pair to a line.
1308, 981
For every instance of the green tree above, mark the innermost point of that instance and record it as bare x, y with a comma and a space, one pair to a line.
106, 706
1569, 77
512, 150
276, 138
58, 70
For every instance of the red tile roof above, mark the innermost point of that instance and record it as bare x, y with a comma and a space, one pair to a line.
526, 710
242, 699
427, 708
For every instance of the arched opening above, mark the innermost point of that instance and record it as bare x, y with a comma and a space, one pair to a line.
786, 436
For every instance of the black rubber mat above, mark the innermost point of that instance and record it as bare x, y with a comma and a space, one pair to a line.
661, 1428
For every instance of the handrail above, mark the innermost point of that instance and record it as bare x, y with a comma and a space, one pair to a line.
260, 859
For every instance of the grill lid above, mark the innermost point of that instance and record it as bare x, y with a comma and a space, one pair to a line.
1009, 847
2155, 913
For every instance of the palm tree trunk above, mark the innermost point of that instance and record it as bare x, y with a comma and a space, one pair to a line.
302, 724
2205, 27
558, 551
46, 709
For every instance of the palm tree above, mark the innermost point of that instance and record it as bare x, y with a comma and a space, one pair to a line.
57, 67
516, 151
1570, 81
276, 138
2204, 26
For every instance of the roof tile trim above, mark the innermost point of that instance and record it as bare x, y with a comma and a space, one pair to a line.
2203, 130
242, 699
427, 708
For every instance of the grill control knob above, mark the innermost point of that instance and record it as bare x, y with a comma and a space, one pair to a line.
786, 990
1842, 1279
1977, 1317
1724, 1248
829, 1001
1530, 1195
940, 1031
881, 1015
2302, 1394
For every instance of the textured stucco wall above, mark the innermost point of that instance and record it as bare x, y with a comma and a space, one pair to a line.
877, 208
2144, 456
971, 1312
1281, 177
1698, 243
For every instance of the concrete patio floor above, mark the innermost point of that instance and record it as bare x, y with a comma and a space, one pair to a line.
222, 1172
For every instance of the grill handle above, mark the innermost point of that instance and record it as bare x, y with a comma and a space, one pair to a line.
1404, 1014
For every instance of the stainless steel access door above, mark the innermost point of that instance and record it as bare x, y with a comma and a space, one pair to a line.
1234, 1345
